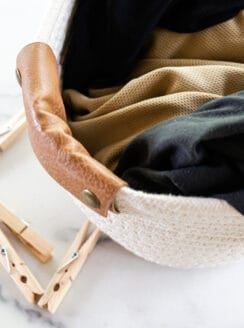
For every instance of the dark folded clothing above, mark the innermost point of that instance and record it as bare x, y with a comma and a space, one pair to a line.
199, 154
108, 37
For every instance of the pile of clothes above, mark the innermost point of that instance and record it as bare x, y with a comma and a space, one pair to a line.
154, 91
109, 37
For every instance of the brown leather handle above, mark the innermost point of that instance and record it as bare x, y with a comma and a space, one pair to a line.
65, 159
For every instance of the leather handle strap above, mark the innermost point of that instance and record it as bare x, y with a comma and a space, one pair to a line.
65, 159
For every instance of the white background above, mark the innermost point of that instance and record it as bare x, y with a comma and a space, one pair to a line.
19, 22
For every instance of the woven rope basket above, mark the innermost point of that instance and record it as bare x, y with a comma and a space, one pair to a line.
169, 230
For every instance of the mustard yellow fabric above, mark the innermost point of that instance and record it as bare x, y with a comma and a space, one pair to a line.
179, 73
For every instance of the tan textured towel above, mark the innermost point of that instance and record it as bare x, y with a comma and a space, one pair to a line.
179, 73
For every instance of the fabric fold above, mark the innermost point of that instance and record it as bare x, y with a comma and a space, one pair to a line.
199, 154
161, 86
107, 38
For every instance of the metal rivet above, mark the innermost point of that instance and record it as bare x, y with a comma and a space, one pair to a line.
18, 76
90, 198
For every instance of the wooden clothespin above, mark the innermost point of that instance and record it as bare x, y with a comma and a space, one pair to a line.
12, 129
41, 248
69, 269
18, 271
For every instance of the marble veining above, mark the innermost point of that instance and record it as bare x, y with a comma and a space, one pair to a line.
32, 315
115, 288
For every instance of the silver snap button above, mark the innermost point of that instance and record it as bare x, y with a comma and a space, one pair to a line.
18, 76
90, 198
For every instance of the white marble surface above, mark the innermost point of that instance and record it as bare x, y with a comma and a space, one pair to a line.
115, 288
19, 22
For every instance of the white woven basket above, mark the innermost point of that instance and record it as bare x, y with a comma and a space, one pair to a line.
170, 230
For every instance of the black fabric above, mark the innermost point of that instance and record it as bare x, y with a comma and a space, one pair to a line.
108, 37
199, 154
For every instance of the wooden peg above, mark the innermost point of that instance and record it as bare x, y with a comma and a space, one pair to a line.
10, 131
69, 269
41, 248
18, 271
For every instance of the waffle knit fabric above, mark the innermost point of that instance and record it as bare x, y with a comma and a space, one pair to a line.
170, 230
107, 38
171, 80
198, 154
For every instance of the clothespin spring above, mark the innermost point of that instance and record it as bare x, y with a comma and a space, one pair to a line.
74, 257
4, 253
